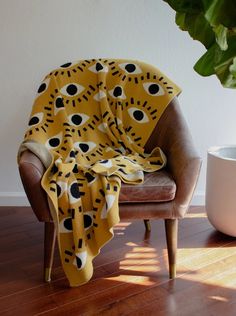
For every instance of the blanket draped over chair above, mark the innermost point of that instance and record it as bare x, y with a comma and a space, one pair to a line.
89, 124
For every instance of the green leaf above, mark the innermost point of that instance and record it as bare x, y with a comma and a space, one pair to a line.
186, 6
180, 20
197, 26
220, 12
205, 65
232, 67
225, 64
221, 36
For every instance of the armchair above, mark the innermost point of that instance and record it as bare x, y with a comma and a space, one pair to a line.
165, 194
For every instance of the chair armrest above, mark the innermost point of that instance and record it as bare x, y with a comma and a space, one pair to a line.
172, 135
31, 171
184, 165
183, 162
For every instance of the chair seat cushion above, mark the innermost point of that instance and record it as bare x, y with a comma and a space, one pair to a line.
157, 187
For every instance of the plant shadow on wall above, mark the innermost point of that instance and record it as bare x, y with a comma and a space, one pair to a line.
213, 23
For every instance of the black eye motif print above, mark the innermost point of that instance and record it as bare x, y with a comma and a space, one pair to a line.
58, 105
54, 141
153, 88
67, 65
71, 89
78, 119
138, 115
88, 220
98, 67
130, 68
73, 192
85, 147
65, 225
80, 259
117, 92
90, 178
44, 85
35, 119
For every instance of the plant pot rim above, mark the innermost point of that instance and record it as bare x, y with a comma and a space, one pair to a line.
225, 152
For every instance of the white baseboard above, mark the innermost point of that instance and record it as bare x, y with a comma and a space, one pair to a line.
20, 199
13, 199
198, 198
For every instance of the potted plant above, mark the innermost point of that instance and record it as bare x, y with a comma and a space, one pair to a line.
213, 23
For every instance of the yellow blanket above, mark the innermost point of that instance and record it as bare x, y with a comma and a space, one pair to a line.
89, 124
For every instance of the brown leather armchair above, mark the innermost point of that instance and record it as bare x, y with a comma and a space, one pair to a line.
164, 194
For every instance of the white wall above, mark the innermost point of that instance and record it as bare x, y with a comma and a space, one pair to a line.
36, 36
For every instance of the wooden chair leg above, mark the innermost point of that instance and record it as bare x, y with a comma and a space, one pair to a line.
49, 246
147, 224
171, 227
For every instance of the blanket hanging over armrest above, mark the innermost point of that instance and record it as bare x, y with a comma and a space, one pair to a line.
89, 124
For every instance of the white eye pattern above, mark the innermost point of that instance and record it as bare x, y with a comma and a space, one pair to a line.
102, 127
100, 95
130, 68
85, 147
35, 119
73, 192
117, 92
44, 85
110, 199
118, 121
153, 88
138, 115
80, 259
71, 89
61, 188
65, 225
54, 141
78, 119
107, 163
98, 67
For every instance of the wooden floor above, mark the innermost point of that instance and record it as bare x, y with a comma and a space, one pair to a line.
131, 276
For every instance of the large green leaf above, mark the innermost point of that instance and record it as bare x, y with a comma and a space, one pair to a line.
197, 26
220, 12
225, 64
205, 66
219, 62
221, 36
186, 6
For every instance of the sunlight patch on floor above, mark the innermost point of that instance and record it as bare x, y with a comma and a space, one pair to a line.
219, 298
122, 225
196, 215
132, 279
140, 260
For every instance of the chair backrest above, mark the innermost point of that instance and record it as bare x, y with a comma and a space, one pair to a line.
164, 131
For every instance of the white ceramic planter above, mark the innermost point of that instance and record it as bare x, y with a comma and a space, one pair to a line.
221, 188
